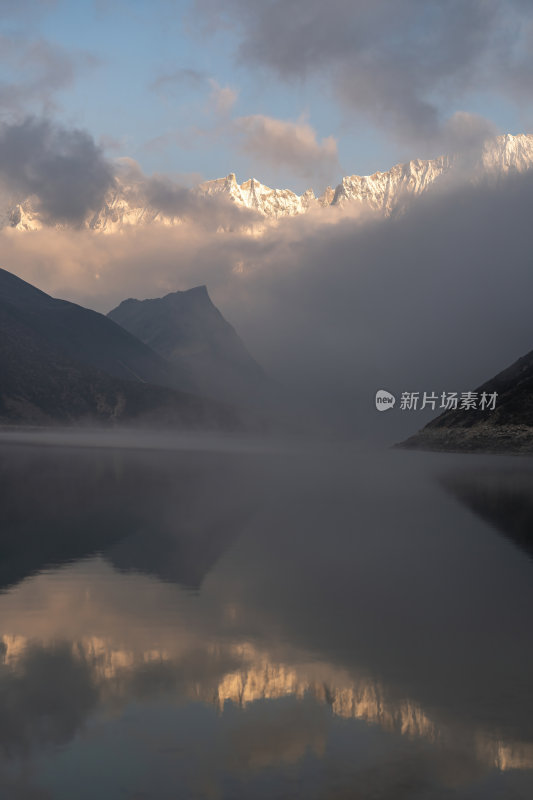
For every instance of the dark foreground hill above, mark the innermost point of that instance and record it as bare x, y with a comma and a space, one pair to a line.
60, 362
189, 331
506, 429
84, 335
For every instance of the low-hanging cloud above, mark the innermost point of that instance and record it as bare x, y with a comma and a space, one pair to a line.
62, 168
212, 212
436, 299
66, 177
405, 64
175, 200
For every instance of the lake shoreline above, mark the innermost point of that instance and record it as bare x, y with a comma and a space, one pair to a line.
490, 440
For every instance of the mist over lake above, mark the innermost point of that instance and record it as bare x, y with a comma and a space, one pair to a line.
212, 617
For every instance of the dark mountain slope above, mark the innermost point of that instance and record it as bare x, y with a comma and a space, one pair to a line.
85, 335
188, 330
41, 382
509, 428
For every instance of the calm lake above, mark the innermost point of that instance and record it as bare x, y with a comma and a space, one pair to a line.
219, 619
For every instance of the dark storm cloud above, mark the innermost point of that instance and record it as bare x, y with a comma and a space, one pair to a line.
64, 169
402, 62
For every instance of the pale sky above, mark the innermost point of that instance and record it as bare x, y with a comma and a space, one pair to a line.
295, 93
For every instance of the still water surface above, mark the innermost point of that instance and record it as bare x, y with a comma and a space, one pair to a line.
218, 620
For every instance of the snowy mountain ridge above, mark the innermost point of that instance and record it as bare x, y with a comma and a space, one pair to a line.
126, 205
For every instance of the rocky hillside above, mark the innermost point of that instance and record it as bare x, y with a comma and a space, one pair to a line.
506, 429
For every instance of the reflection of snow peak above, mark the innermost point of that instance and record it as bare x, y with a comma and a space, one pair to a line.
126, 204
260, 678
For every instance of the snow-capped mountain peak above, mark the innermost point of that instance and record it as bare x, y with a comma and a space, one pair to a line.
126, 204
255, 195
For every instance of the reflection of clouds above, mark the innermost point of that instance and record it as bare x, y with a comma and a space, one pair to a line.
46, 698
275, 734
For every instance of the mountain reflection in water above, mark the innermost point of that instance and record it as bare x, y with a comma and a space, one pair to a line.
259, 624
502, 497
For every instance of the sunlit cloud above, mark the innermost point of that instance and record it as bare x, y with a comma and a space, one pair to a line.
288, 145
